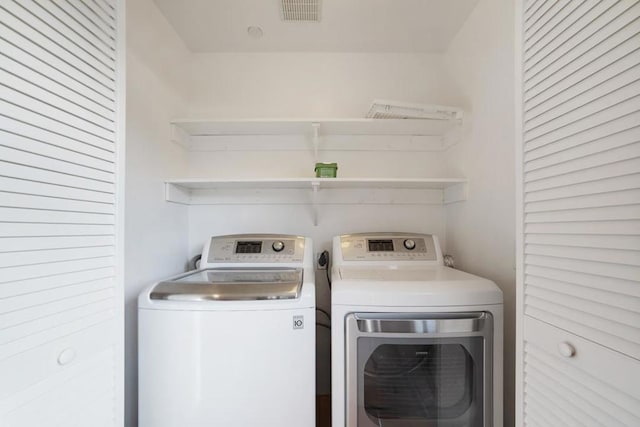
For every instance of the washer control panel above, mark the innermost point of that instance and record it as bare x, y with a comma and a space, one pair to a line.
388, 247
258, 248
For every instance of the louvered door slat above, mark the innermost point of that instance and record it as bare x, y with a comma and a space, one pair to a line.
610, 299
46, 170
566, 13
41, 134
48, 119
620, 139
54, 8
36, 100
21, 186
80, 117
538, 13
609, 22
92, 16
41, 22
614, 198
107, 6
60, 285
580, 70
611, 91
579, 108
82, 68
562, 396
73, 276
554, 16
564, 274
574, 179
27, 51
44, 216
27, 77
60, 165
603, 116
53, 255
585, 241
74, 34
34, 66
102, 11
21, 325
611, 131
616, 257
43, 149
15, 310
607, 185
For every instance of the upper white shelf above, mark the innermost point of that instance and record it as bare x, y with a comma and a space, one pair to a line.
228, 135
411, 127
433, 134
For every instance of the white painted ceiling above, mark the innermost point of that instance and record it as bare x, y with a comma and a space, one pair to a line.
346, 26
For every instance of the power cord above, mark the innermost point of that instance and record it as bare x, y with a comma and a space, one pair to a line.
325, 312
325, 261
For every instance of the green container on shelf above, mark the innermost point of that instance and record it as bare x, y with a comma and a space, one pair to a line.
326, 170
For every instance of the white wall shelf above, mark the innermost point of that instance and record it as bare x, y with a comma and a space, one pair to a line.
309, 191
242, 134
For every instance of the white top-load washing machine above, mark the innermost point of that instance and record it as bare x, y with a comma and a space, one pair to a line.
231, 344
414, 343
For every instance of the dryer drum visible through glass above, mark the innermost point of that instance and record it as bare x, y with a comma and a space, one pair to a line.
420, 369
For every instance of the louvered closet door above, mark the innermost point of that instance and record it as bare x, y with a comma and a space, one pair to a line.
581, 212
60, 298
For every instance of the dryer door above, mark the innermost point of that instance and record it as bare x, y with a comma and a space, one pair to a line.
406, 370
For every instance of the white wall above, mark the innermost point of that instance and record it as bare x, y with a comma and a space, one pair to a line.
481, 231
299, 84
156, 232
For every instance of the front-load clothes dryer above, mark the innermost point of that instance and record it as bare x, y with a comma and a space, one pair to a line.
233, 343
414, 343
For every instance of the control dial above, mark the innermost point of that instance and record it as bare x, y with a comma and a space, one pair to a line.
410, 244
278, 245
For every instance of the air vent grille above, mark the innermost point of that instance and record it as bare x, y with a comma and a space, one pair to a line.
400, 110
300, 10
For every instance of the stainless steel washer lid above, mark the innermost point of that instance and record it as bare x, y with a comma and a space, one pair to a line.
232, 284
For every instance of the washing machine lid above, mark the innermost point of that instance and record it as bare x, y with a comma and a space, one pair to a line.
232, 284
411, 287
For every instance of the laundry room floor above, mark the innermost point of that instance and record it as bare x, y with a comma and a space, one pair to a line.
323, 410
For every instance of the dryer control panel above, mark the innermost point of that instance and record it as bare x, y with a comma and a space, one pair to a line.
259, 248
388, 247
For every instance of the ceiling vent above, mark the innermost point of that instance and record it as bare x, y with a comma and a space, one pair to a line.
300, 10
401, 110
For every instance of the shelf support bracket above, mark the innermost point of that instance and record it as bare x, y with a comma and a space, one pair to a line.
315, 186
316, 139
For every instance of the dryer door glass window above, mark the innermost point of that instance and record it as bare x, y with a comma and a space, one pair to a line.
410, 383
419, 369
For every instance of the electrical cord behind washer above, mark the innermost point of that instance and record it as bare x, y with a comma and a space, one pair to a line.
325, 261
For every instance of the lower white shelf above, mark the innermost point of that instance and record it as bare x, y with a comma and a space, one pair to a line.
400, 183
297, 191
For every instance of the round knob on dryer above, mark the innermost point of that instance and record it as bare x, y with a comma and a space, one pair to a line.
278, 245
410, 244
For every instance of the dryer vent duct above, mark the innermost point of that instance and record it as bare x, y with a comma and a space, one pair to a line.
300, 10
401, 110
